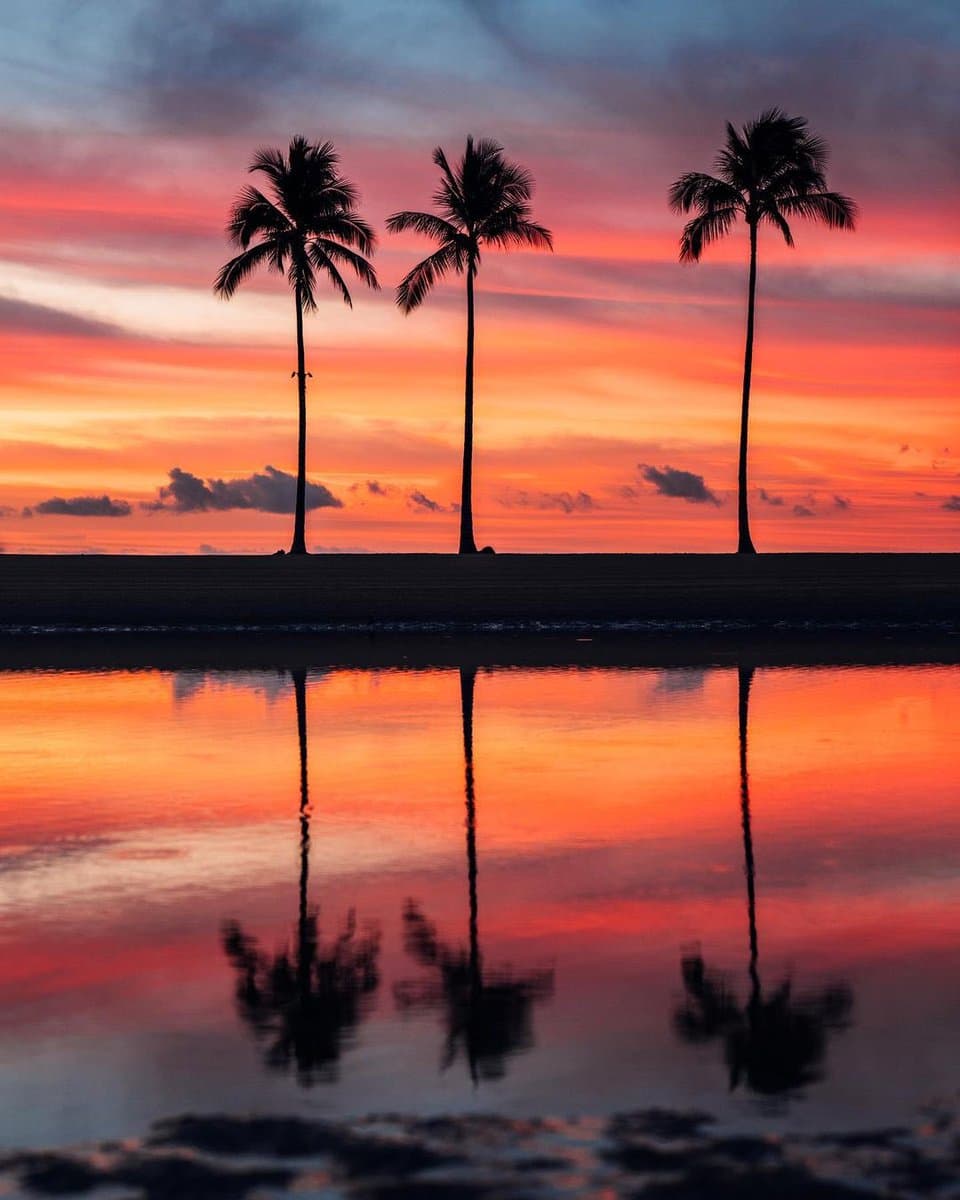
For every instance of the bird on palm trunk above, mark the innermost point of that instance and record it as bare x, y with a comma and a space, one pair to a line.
308, 226
770, 170
483, 201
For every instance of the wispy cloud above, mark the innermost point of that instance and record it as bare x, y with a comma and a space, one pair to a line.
421, 502
567, 502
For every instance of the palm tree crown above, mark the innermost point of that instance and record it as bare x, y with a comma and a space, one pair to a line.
769, 170
307, 224
484, 200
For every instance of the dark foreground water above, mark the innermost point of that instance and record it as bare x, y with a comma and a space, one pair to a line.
525, 894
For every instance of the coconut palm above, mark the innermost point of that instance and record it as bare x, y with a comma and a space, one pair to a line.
304, 1003
307, 226
776, 1041
483, 201
488, 1010
769, 171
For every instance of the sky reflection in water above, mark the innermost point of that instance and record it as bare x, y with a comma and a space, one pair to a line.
450, 891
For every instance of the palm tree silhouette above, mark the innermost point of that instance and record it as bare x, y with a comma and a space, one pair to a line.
483, 201
775, 1043
304, 1004
488, 1012
308, 224
769, 170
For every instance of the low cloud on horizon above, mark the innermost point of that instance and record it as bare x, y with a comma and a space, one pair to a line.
272, 491
80, 506
679, 485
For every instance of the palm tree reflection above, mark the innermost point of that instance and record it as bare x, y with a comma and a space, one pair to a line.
488, 1012
303, 1005
775, 1044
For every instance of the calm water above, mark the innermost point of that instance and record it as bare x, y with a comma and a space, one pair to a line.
518, 891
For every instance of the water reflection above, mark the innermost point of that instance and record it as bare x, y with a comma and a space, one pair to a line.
304, 1004
488, 1012
775, 1043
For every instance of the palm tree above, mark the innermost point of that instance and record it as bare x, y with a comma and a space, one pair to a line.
775, 1043
483, 201
309, 224
768, 171
304, 1003
488, 1011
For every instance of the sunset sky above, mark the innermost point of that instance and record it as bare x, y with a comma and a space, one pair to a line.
126, 131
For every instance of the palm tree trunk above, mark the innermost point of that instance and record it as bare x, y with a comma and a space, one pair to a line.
299, 544
744, 543
467, 544
744, 679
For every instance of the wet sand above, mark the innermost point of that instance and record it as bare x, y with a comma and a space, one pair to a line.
379, 591
654, 1152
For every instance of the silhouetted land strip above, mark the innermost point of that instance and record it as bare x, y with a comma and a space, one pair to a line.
382, 590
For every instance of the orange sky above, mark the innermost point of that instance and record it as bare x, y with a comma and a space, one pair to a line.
117, 364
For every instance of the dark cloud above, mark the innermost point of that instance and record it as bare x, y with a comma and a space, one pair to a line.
375, 488
769, 498
952, 505
20, 316
422, 503
215, 66
681, 485
803, 510
271, 492
568, 502
843, 503
880, 78
80, 506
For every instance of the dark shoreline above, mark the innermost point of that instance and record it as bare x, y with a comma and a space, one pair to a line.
603, 650
416, 593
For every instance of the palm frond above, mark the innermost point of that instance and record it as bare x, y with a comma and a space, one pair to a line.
346, 227
233, 273
703, 192
512, 229
271, 162
322, 249
426, 224
253, 214
701, 231
324, 262
415, 285
301, 277
831, 208
778, 219
449, 196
